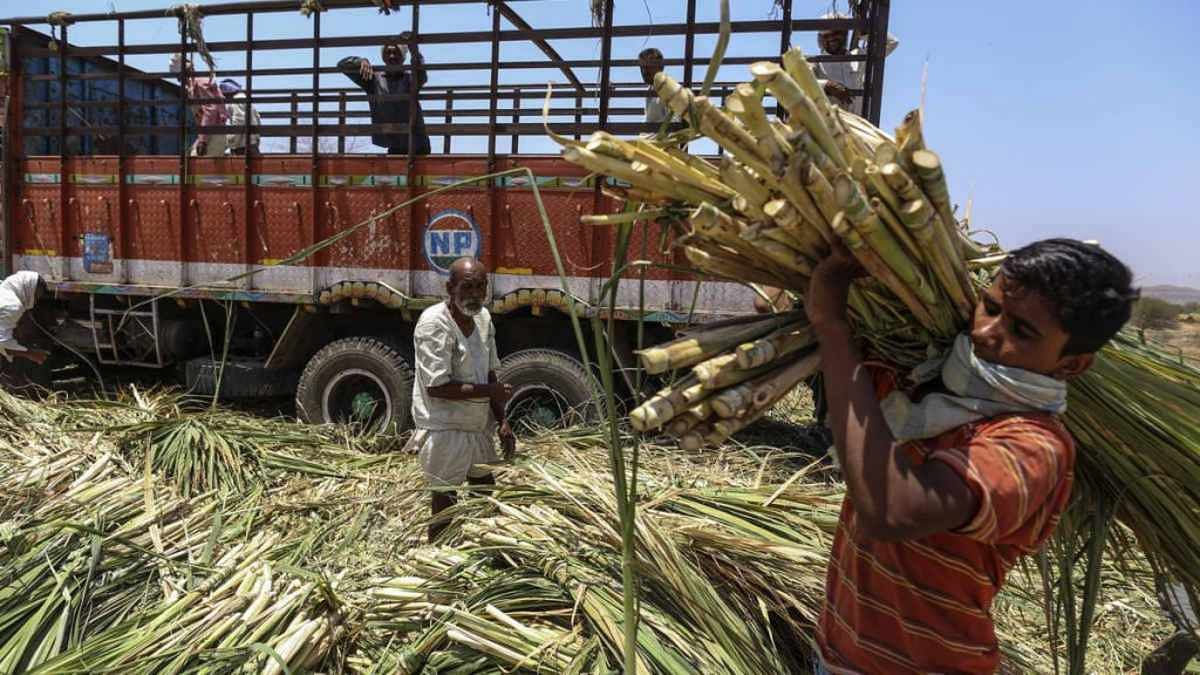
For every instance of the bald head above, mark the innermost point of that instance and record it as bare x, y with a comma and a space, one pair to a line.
467, 286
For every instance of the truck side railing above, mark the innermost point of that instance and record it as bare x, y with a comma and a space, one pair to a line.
512, 111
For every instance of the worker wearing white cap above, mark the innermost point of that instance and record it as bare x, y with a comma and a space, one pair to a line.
839, 78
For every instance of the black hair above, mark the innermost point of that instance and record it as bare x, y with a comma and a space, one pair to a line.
1091, 290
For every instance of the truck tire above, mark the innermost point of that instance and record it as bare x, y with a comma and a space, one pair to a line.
241, 378
363, 380
550, 390
24, 377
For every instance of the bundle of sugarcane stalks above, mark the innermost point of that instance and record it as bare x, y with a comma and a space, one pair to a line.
768, 210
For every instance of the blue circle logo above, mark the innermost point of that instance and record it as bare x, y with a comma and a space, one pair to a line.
451, 234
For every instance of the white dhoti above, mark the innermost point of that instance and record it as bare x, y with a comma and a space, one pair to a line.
448, 456
453, 437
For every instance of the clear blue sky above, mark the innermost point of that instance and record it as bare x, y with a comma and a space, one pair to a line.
1056, 118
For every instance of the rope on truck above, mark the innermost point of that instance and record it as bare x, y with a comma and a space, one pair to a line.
58, 20
309, 7
191, 23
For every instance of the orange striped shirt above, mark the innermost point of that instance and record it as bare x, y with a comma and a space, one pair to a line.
924, 606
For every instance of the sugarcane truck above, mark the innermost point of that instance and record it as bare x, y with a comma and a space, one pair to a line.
219, 273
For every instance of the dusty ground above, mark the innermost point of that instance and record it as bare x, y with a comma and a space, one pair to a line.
1185, 337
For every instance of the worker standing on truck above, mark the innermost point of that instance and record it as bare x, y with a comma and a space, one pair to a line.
209, 113
838, 78
651, 63
239, 111
955, 476
393, 83
457, 398
19, 293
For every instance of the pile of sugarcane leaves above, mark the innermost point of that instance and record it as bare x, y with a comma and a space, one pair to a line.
146, 534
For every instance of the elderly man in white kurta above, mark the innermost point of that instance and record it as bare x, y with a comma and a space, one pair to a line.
19, 293
458, 401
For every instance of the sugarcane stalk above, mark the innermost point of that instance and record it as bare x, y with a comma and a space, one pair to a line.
723, 371
869, 258
731, 136
690, 418
910, 138
804, 144
933, 181
767, 349
696, 347
896, 228
746, 104
664, 406
919, 218
783, 236
623, 171
712, 122
880, 188
903, 184
784, 215
822, 193
886, 153
747, 186
716, 225
871, 227
659, 161
791, 184
733, 401
768, 391
801, 109
695, 439
779, 252
697, 163
724, 266
798, 67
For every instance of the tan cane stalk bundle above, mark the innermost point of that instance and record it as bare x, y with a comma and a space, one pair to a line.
822, 174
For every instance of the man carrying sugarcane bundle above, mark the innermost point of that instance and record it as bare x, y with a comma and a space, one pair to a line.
457, 398
946, 490
838, 78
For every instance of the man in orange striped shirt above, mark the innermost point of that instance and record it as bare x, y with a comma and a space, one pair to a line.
950, 482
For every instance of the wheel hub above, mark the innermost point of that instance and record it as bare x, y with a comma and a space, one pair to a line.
358, 397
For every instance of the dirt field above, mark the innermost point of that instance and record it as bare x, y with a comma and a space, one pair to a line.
1185, 337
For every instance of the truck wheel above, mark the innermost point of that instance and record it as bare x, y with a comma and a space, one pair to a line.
359, 380
550, 390
242, 377
21, 376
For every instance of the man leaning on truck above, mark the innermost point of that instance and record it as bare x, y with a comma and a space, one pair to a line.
458, 400
392, 83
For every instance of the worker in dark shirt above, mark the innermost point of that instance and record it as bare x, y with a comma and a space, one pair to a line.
393, 83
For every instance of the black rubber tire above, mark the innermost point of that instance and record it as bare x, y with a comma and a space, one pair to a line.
533, 369
242, 378
375, 362
26, 378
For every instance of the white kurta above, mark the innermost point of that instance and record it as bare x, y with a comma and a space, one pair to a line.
452, 437
851, 74
17, 295
656, 111
238, 111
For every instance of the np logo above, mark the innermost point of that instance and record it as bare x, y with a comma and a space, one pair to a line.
450, 235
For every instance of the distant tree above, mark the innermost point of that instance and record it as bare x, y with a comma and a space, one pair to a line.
1155, 313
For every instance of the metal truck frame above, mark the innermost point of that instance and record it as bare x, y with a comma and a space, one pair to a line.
141, 244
